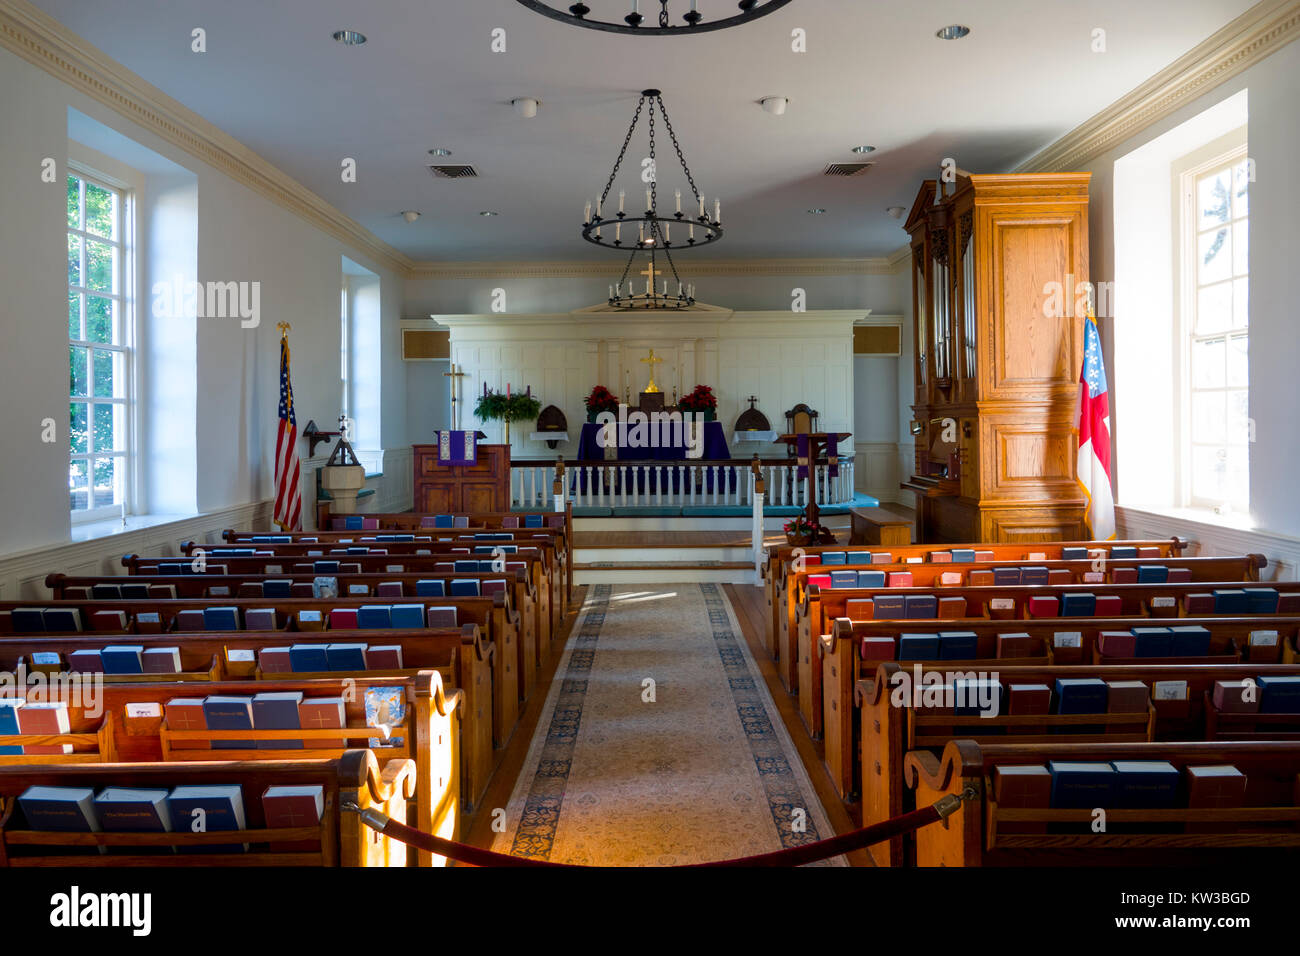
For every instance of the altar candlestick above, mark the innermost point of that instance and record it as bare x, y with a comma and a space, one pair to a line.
679, 200
622, 194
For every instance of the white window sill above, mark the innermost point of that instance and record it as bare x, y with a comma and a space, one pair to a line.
1235, 520
90, 530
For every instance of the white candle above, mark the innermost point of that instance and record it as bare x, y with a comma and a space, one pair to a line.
668, 232
622, 194
640, 229
717, 210
649, 203
679, 200
665, 287
691, 230
679, 290
599, 205
586, 213
618, 230
701, 205
618, 288
611, 292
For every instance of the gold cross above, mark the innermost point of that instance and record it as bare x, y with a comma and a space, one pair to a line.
651, 273
651, 361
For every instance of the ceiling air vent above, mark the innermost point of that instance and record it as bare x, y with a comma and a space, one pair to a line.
453, 171
846, 169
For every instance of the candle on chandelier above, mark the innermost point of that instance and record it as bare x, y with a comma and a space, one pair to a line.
640, 232
622, 194
679, 289
679, 200
665, 288
691, 230
668, 232
717, 211
701, 207
649, 202
600, 203
611, 292
618, 232
586, 213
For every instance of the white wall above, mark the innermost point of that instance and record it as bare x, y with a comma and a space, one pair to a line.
241, 237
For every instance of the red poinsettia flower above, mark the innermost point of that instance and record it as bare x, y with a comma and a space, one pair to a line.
601, 399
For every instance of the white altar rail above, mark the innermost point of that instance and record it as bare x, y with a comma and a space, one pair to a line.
632, 484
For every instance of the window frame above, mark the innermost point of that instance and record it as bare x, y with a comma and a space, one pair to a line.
1225, 152
124, 455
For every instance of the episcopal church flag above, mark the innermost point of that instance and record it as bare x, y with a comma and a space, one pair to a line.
1094, 437
288, 492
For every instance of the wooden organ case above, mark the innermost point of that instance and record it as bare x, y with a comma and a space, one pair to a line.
996, 373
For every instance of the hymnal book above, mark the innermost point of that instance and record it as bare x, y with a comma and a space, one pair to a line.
1032, 577
981, 555
1145, 784
1127, 697
881, 557
1117, 644
276, 587
9, 724
963, 555
490, 587
105, 592
1077, 604
316, 713
388, 589
888, 607
1004, 609
1152, 642
343, 619
60, 809
308, 658
834, 557
310, 621
1028, 700
189, 620
1108, 605
275, 660
209, 809
325, 586
408, 615
1080, 695
148, 622
44, 718
133, 810
346, 657
951, 608
172, 567
1148, 552
1230, 601
980, 579
441, 616
858, 557
429, 588
460, 566
1080, 785
1236, 696
844, 579
899, 579
1123, 551
45, 662
1152, 574
1059, 576
950, 579
1018, 645
941, 557
60, 619
277, 710
979, 697
877, 649
1022, 787
1217, 787
468, 587
958, 645
859, 609
1007, 576
1044, 606
920, 606
385, 706
229, 712
1258, 601
1198, 605
1277, 695
871, 579
123, 659
918, 647
1193, 641
292, 807
160, 660
371, 616
1288, 603
86, 661
259, 619
102, 620
221, 618
387, 657
1180, 576
135, 591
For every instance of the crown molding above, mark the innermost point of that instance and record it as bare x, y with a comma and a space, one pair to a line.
613, 267
1263, 29
47, 43
900, 257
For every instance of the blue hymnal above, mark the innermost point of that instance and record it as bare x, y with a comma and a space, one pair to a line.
919, 607
1152, 641
1152, 574
221, 618
464, 565
1258, 601
278, 587
887, 607
1078, 605
871, 579
374, 616
344, 657
325, 567
1279, 695
844, 579
1145, 784
1033, 576
1074, 554
958, 645
308, 658
65, 618
1081, 786
220, 807
1004, 577
170, 567
834, 557
9, 724
1080, 695
278, 710
442, 521
65, 809
132, 810
134, 592
222, 712
858, 557
28, 620
963, 555
105, 592
122, 659
1190, 641
408, 615
485, 548
358, 549
353, 523
1230, 601
532, 521
918, 647
464, 587
977, 697
1123, 551
430, 588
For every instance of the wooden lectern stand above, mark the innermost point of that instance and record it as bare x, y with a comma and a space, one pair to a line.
457, 489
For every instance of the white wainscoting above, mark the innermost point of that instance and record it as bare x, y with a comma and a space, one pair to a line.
1283, 552
877, 469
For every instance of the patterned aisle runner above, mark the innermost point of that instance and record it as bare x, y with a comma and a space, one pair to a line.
659, 743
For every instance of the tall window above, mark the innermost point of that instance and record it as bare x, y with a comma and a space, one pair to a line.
99, 350
1215, 331
344, 405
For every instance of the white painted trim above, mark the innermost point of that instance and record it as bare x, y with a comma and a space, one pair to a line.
1282, 551
604, 268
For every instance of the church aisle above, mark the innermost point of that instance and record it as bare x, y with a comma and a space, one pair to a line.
695, 766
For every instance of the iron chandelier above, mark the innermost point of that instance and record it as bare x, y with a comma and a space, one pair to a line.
634, 23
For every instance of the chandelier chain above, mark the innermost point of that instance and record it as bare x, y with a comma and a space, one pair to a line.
677, 146
636, 118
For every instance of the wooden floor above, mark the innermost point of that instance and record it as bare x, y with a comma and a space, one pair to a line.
670, 539
752, 612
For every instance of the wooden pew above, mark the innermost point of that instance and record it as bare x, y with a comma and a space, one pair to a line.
430, 734
892, 725
844, 671
1264, 831
356, 777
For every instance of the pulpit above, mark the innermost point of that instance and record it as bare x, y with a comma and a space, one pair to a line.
449, 489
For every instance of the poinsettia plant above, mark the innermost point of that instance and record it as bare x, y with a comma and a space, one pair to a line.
811, 531
601, 399
701, 399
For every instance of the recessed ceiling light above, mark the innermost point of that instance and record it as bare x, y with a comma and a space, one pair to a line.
488, 212
954, 32
526, 106
440, 152
410, 215
816, 212
350, 37
774, 104
864, 149
896, 211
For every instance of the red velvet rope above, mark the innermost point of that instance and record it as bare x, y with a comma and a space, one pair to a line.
794, 856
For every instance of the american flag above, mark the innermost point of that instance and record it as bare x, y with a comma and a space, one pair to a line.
1093, 468
288, 493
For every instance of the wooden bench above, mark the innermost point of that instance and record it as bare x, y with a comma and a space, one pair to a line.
879, 526
1263, 831
356, 778
893, 725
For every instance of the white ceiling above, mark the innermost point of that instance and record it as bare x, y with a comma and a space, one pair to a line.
874, 74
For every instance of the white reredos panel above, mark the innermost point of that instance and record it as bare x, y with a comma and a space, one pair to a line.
782, 358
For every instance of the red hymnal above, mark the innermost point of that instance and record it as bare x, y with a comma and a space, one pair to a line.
1124, 576
1117, 644
980, 579
900, 579
1148, 552
859, 609
1229, 697
1022, 787
343, 619
44, 718
292, 807
1180, 575
1220, 787
275, 660
1058, 576
1108, 605
186, 713
315, 713
941, 557
878, 649
384, 657
111, 620
191, 620
951, 608
1198, 605
985, 556
1127, 697
1018, 645
1044, 606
